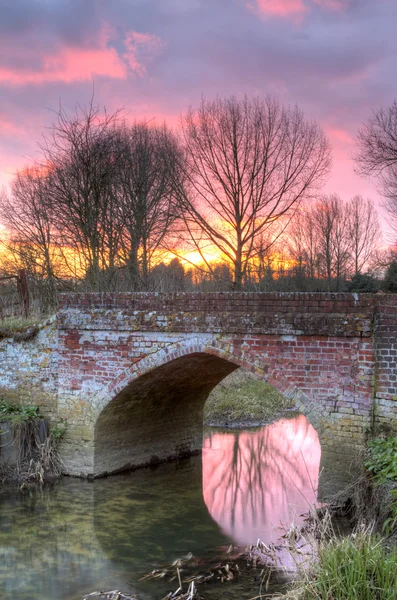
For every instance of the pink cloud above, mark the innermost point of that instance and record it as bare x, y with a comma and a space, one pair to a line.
141, 49
8, 128
280, 8
70, 64
294, 9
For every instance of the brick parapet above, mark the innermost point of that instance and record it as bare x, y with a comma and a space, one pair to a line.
322, 314
310, 302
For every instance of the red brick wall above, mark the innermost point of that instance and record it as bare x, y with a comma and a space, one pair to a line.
334, 353
385, 343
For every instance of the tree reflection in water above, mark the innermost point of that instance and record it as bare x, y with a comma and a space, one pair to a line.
255, 482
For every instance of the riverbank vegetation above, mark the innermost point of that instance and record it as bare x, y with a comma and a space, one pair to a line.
356, 567
28, 451
359, 566
243, 399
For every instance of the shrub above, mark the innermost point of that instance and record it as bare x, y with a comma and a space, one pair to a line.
382, 459
364, 283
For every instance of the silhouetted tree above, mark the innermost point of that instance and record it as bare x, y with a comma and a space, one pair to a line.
81, 155
28, 218
364, 231
377, 155
249, 163
147, 204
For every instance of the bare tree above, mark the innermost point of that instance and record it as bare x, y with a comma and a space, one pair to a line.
28, 218
302, 243
331, 240
249, 163
376, 155
364, 232
81, 156
146, 196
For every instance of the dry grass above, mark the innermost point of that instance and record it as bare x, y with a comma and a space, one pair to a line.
18, 323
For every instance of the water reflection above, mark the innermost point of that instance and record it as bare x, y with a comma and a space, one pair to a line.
256, 481
62, 541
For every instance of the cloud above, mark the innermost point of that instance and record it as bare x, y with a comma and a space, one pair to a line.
8, 128
336, 5
293, 9
279, 8
339, 135
141, 49
69, 64
334, 58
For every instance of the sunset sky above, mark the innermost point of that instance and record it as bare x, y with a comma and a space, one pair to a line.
335, 58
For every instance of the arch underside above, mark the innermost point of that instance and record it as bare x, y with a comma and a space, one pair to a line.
159, 415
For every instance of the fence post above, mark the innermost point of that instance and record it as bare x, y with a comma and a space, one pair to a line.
24, 290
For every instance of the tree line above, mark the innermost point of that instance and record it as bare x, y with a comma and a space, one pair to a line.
242, 179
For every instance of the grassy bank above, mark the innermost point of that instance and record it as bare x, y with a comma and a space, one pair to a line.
361, 566
242, 399
358, 567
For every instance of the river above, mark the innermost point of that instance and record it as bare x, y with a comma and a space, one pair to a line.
73, 537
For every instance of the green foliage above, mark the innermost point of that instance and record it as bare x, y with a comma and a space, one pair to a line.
358, 567
17, 414
382, 459
390, 524
58, 431
382, 464
390, 281
363, 283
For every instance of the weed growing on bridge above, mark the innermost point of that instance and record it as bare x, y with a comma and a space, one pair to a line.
58, 431
17, 414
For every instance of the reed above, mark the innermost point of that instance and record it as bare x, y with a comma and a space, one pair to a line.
357, 567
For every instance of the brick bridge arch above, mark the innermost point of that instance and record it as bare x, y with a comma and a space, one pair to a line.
334, 353
154, 410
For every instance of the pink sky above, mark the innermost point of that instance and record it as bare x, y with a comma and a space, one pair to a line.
334, 58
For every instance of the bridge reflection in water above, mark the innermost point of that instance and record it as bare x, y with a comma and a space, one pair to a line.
68, 539
256, 483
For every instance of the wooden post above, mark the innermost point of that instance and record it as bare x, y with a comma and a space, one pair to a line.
24, 290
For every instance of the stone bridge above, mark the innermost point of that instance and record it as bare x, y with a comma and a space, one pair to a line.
130, 372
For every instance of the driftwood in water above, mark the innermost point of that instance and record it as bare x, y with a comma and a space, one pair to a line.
190, 594
113, 595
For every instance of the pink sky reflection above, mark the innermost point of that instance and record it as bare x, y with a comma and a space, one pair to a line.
257, 481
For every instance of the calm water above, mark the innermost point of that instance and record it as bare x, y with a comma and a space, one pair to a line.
76, 537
